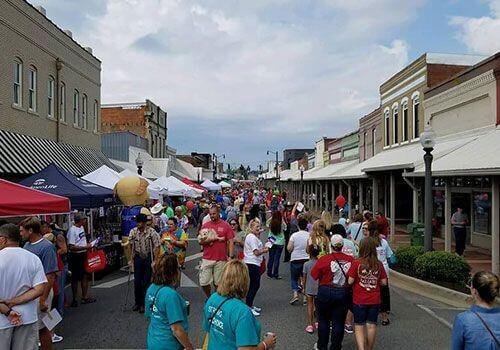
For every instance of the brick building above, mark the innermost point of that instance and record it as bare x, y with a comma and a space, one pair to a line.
145, 119
370, 140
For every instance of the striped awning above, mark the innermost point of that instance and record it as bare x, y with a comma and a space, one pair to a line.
25, 155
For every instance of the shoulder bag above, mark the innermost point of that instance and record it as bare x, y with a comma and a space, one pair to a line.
210, 320
357, 233
348, 288
488, 328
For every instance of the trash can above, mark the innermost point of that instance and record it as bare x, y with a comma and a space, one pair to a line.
417, 234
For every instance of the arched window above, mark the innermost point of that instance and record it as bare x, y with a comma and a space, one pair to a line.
76, 107
404, 108
395, 123
84, 112
50, 97
62, 102
96, 116
416, 114
18, 82
386, 127
32, 89
374, 140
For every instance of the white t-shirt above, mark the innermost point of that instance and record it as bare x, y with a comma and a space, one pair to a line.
299, 239
20, 270
383, 253
252, 242
76, 236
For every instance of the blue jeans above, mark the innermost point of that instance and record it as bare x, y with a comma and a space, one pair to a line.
331, 306
61, 282
296, 268
273, 265
142, 278
254, 272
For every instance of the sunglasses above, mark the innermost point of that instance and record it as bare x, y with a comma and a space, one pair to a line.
233, 224
365, 228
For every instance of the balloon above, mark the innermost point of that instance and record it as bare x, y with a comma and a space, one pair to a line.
340, 201
132, 190
190, 205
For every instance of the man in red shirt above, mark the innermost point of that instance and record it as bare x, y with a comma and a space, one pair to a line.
215, 251
333, 297
382, 223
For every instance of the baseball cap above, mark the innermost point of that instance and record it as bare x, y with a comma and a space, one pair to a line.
337, 240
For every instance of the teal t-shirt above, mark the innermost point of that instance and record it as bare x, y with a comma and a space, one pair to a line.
169, 308
170, 212
279, 239
234, 325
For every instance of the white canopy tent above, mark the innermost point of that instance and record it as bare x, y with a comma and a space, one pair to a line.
210, 186
103, 176
224, 184
171, 186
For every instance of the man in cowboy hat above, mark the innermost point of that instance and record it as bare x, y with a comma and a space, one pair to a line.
160, 218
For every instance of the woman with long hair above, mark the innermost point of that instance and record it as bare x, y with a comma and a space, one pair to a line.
384, 253
318, 237
276, 236
165, 308
479, 327
366, 275
354, 231
253, 252
328, 220
239, 238
228, 321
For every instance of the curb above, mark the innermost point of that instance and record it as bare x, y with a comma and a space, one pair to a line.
430, 290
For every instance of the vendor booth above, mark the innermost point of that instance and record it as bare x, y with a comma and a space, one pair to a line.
103, 176
193, 184
211, 186
224, 184
171, 186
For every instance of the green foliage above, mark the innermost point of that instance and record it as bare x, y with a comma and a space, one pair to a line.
406, 256
442, 266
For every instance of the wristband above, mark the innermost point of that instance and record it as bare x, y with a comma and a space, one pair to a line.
8, 313
265, 345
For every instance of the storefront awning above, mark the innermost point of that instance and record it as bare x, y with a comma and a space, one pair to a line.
26, 155
329, 171
479, 157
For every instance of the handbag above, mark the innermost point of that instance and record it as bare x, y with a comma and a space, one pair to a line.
488, 328
207, 336
349, 288
263, 266
96, 261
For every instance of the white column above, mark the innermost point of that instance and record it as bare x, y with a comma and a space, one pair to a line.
447, 217
495, 226
374, 194
349, 199
360, 196
333, 197
393, 205
320, 198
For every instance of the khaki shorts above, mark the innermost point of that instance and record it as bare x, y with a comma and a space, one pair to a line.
23, 337
48, 302
211, 271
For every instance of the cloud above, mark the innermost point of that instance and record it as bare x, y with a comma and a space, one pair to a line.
284, 69
480, 35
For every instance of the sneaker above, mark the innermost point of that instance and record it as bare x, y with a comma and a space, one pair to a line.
256, 308
304, 302
278, 277
385, 322
255, 313
310, 329
294, 300
56, 338
315, 347
348, 329
316, 324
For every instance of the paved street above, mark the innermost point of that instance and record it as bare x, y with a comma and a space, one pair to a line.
107, 324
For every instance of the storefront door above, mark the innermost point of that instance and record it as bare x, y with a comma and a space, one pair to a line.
462, 200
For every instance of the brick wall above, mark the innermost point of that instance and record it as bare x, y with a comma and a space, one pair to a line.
438, 73
123, 119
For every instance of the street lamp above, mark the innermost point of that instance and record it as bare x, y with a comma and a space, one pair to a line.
302, 168
139, 162
276, 165
428, 140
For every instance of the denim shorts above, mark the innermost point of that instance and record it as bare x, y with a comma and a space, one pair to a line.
364, 314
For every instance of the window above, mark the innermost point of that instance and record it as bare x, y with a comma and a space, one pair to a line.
50, 97
62, 103
386, 128
84, 112
76, 107
405, 122
18, 82
32, 89
416, 120
374, 140
395, 125
364, 145
96, 116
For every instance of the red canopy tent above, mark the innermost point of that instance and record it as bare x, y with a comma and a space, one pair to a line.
18, 200
192, 184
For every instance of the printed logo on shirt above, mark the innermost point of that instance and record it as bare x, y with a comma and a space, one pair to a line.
368, 279
338, 276
216, 321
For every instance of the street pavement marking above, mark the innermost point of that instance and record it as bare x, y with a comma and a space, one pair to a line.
194, 257
185, 282
433, 314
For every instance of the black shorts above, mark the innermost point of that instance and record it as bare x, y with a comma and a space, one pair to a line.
77, 265
364, 314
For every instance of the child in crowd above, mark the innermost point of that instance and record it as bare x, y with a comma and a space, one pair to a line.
310, 286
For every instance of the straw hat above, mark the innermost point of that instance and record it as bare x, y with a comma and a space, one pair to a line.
157, 209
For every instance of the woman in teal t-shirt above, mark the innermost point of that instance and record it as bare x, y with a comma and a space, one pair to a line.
228, 321
166, 309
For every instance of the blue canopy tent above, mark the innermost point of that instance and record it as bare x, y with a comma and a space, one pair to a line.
82, 194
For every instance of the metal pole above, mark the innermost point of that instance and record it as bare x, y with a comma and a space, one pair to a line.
276, 165
428, 199
302, 186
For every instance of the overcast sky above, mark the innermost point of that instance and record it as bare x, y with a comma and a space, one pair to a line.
242, 77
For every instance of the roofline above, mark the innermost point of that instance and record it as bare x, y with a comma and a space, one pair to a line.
125, 104
419, 58
389, 167
463, 172
61, 30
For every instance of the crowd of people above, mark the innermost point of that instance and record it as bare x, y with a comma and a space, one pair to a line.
340, 270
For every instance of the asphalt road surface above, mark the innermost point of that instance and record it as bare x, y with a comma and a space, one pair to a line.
416, 322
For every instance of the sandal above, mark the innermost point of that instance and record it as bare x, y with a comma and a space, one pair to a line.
385, 322
88, 301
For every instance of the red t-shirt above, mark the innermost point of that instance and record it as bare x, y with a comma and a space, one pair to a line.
366, 287
217, 251
328, 272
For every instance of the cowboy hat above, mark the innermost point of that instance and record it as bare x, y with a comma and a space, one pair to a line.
157, 208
